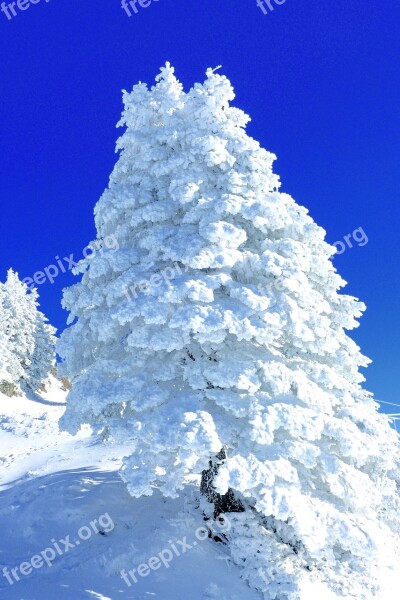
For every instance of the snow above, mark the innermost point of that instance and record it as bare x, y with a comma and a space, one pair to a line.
52, 484
26, 338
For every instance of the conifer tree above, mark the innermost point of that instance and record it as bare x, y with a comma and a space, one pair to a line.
236, 368
27, 340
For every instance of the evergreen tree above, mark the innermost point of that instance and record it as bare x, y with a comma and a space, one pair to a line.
6, 358
235, 368
27, 340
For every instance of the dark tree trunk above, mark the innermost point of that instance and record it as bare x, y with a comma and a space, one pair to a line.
223, 503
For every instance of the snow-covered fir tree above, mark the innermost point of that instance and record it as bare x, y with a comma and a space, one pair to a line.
27, 341
214, 340
7, 360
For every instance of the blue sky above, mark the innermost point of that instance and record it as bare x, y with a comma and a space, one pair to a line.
320, 80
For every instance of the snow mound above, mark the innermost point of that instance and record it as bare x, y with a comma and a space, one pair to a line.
54, 485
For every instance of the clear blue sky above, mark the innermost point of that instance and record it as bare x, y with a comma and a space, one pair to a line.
319, 78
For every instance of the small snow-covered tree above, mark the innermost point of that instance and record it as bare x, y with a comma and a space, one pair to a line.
27, 340
6, 357
235, 368
8, 362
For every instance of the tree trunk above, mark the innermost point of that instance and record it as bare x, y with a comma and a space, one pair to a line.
223, 503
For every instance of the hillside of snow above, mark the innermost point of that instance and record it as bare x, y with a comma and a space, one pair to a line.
53, 485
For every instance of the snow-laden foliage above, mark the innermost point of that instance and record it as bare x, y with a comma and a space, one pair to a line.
241, 347
26, 339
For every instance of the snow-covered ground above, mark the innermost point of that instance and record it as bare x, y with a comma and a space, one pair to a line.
53, 485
